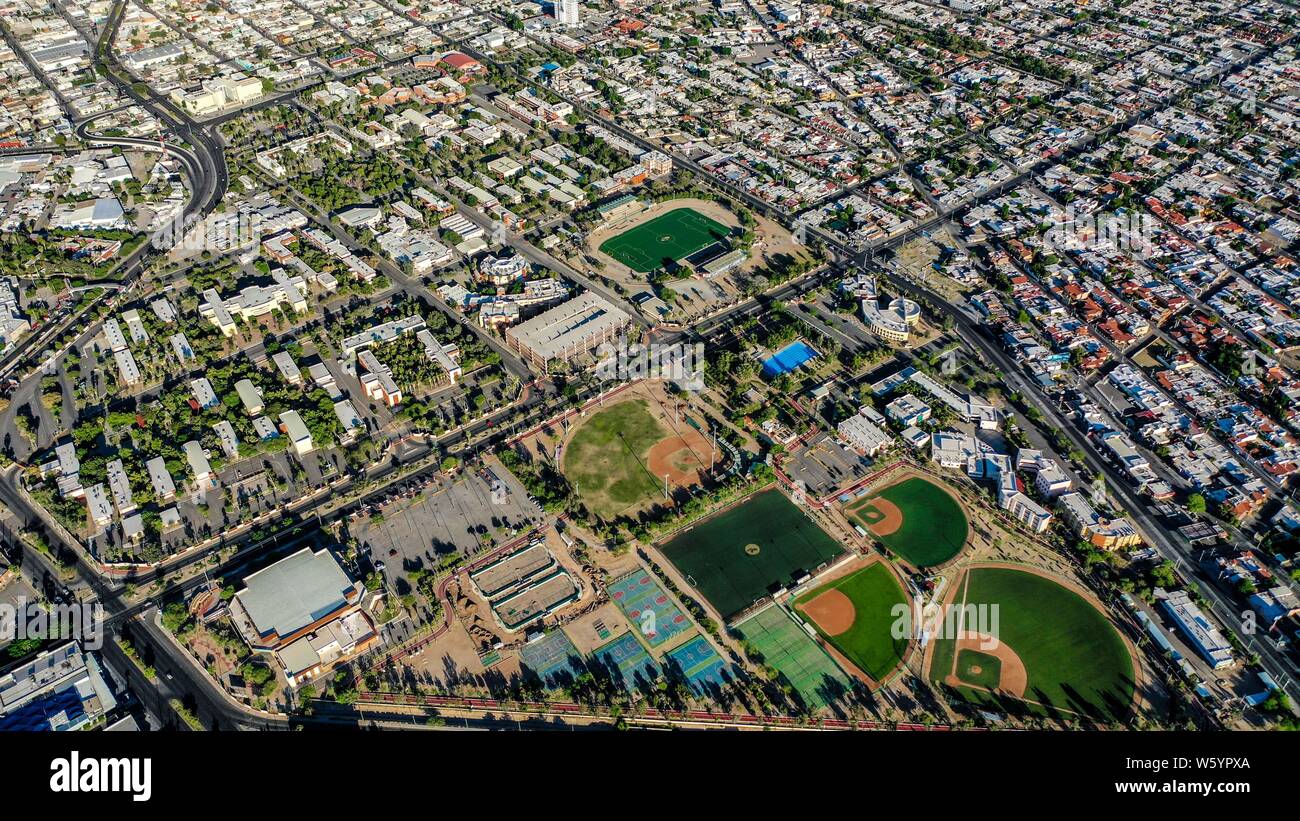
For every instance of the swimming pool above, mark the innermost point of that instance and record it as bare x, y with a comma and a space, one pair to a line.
788, 359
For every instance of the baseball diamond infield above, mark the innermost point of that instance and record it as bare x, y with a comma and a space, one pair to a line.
665, 239
739, 555
855, 614
1056, 651
915, 518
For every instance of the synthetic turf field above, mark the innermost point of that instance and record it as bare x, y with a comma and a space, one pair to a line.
873, 593
802, 663
734, 557
664, 239
933, 528
1074, 658
606, 458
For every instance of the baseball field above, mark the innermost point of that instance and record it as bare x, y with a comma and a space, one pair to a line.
855, 615
915, 518
1055, 650
618, 458
737, 556
664, 239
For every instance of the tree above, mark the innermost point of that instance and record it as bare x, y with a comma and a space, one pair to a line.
1196, 503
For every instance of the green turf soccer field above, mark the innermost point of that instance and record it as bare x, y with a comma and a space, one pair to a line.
934, 526
1074, 658
868, 643
664, 239
733, 558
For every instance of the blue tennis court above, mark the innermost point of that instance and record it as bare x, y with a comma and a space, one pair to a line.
700, 664
647, 607
626, 655
553, 658
788, 359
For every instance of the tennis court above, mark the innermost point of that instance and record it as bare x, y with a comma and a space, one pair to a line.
626, 657
553, 658
700, 664
665, 239
785, 647
647, 607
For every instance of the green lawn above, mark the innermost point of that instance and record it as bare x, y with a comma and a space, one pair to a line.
1073, 656
664, 239
781, 541
868, 643
605, 459
934, 526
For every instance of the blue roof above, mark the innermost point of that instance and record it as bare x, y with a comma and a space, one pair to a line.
35, 716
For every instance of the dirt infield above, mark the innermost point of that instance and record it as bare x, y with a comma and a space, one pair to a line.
682, 458
1015, 678
833, 611
891, 518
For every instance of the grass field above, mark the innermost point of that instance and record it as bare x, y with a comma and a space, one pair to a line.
605, 460
980, 669
785, 647
873, 592
664, 239
933, 529
735, 557
1074, 658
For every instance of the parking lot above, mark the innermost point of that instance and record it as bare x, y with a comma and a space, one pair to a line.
825, 465
418, 526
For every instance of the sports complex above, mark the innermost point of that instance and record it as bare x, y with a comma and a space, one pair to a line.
916, 518
663, 240
1056, 651
661, 641
743, 553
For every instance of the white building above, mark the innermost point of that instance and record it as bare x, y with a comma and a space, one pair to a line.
200, 467
861, 434
250, 396
296, 430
